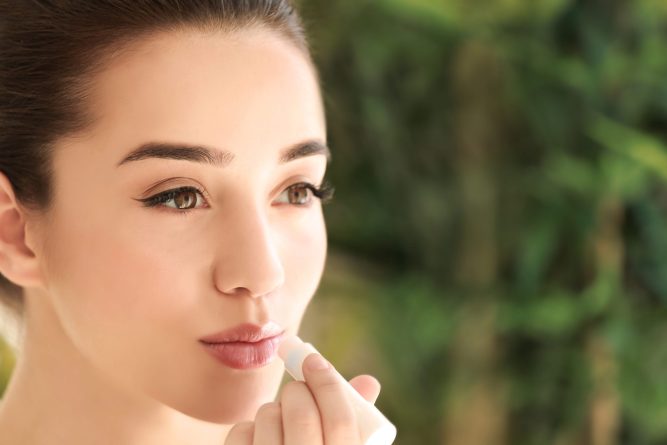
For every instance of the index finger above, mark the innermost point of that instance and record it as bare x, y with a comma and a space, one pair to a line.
339, 422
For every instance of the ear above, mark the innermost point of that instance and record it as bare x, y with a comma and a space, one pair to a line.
18, 262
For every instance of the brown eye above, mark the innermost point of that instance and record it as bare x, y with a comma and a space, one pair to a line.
302, 193
299, 194
186, 199
183, 198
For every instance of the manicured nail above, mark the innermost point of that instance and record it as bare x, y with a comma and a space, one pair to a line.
318, 363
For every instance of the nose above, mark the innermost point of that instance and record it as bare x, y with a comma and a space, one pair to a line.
248, 260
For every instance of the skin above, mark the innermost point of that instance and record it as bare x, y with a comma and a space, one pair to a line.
118, 294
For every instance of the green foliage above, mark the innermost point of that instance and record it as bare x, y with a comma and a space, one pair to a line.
7, 362
511, 152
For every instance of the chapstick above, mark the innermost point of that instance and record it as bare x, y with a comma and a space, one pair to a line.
374, 427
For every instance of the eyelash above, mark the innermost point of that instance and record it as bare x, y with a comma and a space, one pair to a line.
324, 193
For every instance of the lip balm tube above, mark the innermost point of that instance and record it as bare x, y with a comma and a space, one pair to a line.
374, 427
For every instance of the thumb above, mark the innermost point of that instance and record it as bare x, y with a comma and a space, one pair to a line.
366, 385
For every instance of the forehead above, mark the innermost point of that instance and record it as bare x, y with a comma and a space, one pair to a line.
249, 87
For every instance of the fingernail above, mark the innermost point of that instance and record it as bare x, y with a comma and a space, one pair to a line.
318, 363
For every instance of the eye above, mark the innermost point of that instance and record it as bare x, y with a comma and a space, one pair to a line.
301, 194
183, 198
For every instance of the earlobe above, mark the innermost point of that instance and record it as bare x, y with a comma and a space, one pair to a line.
18, 263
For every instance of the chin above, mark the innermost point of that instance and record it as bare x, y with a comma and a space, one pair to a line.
231, 401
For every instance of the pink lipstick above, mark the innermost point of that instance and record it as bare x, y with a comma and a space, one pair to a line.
246, 346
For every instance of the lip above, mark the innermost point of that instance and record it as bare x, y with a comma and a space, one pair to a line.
245, 346
245, 332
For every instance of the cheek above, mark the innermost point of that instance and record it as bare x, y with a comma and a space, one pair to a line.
307, 241
110, 283
304, 256
131, 297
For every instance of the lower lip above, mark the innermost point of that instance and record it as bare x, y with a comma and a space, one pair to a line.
242, 355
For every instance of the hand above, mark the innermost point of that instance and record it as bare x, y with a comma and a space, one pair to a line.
315, 412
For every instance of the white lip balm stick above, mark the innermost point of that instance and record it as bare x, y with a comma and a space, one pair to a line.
374, 428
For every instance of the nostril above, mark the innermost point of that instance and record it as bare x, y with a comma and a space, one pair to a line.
237, 291
245, 292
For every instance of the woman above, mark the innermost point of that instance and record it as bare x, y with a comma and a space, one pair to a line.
162, 166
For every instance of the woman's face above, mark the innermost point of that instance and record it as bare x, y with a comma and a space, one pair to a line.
134, 287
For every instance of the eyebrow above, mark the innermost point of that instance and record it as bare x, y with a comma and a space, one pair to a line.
217, 157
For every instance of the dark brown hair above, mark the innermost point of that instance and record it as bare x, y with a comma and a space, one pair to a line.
49, 52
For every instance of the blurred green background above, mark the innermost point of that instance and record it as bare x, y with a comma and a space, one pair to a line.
498, 238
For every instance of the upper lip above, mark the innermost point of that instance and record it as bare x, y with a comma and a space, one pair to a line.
245, 332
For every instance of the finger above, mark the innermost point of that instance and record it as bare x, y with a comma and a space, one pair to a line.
268, 425
301, 418
240, 434
368, 386
339, 423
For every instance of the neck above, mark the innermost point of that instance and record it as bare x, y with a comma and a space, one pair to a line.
53, 384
